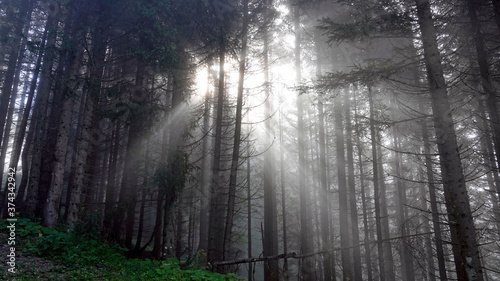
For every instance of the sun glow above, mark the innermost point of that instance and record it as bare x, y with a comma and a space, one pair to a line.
206, 78
279, 91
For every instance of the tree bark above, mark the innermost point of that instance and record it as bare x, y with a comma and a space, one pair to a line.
376, 189
463, 234
217, 208
142, 209
111, 198
9, 121
21, 132
15, 54
364, 199
83, 150
270, 243
384, 217
432, 198
306, 245
324, 198
328, 268
9, 17
179, 231
205, 171
496, 10
342, 188
283, 200
97, 126
484, 71
429, 269
12, 106
408, 272
39, 118
75, 56
235, 160
131, 172
487, 151
56, 102
356, 250
158, 246
249, 211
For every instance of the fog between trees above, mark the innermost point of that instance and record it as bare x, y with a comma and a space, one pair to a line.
280, 140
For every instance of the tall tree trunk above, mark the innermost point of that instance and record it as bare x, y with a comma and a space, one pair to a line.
270, 243
80, 112
328, 268
492, 176
408, 272
85, 145
432, 198
8, 17
140, 230
39, 116
249, 209
191, 221
342, 187
283, 200
158, 230
8, 124
144, 193
306, 245
16, 51
176, 165
111, 198
161, 209
217, 208
235, 160
84, 149
57, 101
384, 219
179, 231
376, 189
488, 88
205, 170
463, 234
75, 56
131, 173
12, 105
313, 170
364, 201
357, 270
21, 131
96, 123
496, 10
430, 267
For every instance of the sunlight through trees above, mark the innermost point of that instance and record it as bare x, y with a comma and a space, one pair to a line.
274, 139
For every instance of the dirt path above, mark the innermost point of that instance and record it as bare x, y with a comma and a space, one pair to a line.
28, 266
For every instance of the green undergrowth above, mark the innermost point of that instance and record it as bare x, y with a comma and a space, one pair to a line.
87, 257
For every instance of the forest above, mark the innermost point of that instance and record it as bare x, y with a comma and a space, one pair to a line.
273, 139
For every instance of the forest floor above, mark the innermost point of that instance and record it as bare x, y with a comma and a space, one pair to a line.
43, 253
29, 266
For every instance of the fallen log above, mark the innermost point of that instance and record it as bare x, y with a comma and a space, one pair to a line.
249, 260
293, 255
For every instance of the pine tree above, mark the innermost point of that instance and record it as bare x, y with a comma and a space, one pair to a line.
465, 247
